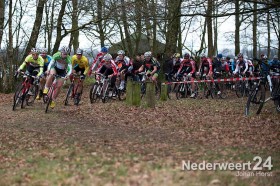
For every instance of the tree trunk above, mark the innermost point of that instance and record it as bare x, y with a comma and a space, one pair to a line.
268, 35
237, 27
172, 27
75, 35
126, 30
138, 33
50, 27
209, 28
36, 28
255, 17
154, 15
59, 26
100, 23
215, 21
2, 10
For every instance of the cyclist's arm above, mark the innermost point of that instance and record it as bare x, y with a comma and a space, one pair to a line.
86, 66
41, 64
155, 70
50, 64
210, 66
246, 67
141, 68
193, 67
21, 67
69, 66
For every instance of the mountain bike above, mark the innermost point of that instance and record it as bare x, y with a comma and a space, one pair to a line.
185, 89
143, 85
26, 92
256, 98
96, 88
73, 88
48, 97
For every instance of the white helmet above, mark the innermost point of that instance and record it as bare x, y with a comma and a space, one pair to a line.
107, 57
121, 52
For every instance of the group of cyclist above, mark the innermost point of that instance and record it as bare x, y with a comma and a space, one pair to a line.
61, 64
45, 67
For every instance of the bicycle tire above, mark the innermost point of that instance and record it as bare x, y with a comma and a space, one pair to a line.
181, 91
68, 94
105, 91
255, 101
31, 98
50, 93
17, 96
121, 94
239, 89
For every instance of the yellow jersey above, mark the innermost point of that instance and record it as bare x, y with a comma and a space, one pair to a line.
82, 63
38, 63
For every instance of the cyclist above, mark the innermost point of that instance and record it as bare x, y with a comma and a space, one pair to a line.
174, 64
188, 67
135, 65
59, 65
47, 59
150, 65
80, 64
34, 64
123, 62
109, 68
241, 65
205, 66
225, 65
96, 62
274, 64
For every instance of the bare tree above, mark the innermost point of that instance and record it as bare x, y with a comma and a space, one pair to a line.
36, 28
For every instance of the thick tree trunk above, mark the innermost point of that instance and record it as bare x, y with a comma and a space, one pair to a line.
209, 28
36, 28
172, 27
100, 22
126, 30
75, 35
59, 26
237, 27
268, 35
255, 17
138, 7
2, 10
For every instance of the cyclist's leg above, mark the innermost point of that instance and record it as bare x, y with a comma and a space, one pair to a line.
49, 80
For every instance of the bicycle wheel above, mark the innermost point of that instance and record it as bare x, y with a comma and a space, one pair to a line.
68, 94
18, 96
239, 89
255, 101
49, 95
121, 94
92, 92
30, 98
78, 97
181, 91
223, 91
158, 90
105, 92
143, 90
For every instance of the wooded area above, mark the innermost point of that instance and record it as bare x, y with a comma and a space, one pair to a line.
104, 22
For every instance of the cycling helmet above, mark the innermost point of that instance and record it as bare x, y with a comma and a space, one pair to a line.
176, 55
203, 55
44, 50
219, 56
121, 52
186, 55
34, 51
228, 58
275, 57
148, 54
264, 57
65, 50
107, 57
240, 55
104, 49
79, 51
